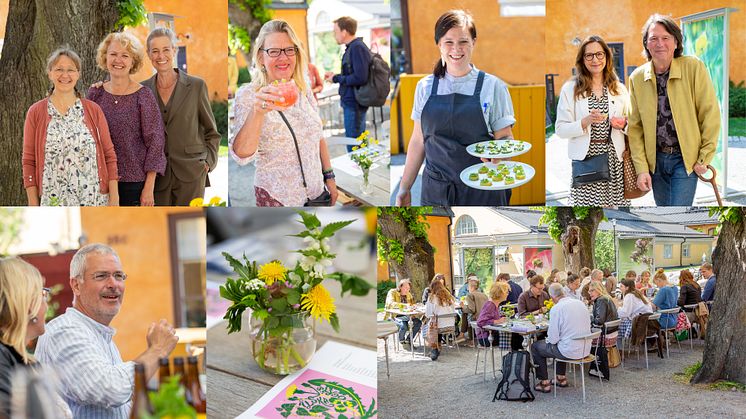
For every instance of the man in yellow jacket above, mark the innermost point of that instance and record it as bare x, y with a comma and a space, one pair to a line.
675, 121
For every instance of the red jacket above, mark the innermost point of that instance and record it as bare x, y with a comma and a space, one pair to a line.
35, 140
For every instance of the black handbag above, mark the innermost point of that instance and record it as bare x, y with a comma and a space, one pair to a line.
323, 200
591, 170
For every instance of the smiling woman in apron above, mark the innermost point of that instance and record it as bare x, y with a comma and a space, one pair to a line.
456, 106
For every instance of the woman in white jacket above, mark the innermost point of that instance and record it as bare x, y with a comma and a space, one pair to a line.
440, 302
592, 116
633, 304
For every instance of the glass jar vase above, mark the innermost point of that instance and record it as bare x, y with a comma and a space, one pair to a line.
283, 344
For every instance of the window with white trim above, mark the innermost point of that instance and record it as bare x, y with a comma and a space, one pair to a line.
667, 251
466, 225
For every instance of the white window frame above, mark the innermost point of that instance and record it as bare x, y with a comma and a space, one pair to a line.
667, 251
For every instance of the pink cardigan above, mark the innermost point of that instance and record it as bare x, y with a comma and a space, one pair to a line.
35, 140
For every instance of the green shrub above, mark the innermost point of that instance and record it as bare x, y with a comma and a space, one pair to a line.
220, 112
737, 100
243, 76
383, 290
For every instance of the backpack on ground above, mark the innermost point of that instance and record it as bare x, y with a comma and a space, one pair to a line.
515, 384
375, 91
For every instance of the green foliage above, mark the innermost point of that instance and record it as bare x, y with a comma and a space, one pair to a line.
243, 76
10, 227
480, 262
737, 127
220, 112
413, 218
383, 291
549, 219
131, 13
238, 38
603, 251
169, 401
737, 100
733, 215
258, 8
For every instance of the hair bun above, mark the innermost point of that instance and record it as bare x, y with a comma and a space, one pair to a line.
659, 271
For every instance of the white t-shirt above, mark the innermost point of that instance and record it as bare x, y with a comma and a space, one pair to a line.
569, 319
433, 308
497, 107
632, 306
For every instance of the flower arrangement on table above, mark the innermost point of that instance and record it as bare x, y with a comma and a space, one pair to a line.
548, 304
284, 301
215, 201
363, 155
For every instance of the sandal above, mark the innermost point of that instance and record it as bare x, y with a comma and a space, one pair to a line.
561, 382
543, 388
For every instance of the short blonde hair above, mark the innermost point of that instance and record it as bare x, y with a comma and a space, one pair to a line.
598, 287
499, 291
301, 67
126, 40
20, 298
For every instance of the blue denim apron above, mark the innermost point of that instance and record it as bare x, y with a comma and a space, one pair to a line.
449, 124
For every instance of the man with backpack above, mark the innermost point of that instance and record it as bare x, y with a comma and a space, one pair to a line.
568, 320
355, 72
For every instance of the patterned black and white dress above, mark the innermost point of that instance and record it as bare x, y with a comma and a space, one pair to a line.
604, 194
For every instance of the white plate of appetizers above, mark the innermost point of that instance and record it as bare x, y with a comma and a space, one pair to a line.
496, 177
498, 149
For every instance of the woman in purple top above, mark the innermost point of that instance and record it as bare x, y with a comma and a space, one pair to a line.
490, 315
134, 119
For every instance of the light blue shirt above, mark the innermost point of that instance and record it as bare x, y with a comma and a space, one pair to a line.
95, 382
569, 319
497, 108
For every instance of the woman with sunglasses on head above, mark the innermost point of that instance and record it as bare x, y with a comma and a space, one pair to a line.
592, 116
278, 125
23, 307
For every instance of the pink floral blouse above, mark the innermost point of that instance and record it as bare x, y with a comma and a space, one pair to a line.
277, 169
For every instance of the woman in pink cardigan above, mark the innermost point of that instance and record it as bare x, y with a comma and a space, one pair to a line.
68, 156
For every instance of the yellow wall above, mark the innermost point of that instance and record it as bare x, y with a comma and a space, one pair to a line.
528, 104
141, 238
695, 254
497, 40
622, 21
207, 48
4, 4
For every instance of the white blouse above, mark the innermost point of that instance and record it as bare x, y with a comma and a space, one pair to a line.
433, 308
633, 306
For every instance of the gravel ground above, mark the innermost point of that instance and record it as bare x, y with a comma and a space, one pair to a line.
448, 387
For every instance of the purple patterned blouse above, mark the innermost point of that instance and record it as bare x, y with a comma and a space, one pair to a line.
136, 130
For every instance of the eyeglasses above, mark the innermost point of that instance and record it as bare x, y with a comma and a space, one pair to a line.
663, 39
46, 294
600, 55
275, 52
68, 71
103, 276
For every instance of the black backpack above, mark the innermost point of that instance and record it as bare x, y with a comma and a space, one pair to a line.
515, 384
376, 90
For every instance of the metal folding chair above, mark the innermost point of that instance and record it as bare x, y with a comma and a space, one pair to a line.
587, 339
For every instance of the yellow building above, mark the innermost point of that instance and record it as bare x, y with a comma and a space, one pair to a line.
509, 47
160, 251
621, 22
202, 34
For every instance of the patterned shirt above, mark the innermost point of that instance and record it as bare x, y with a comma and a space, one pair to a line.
95, 382
666, 130
136, 130
277, 168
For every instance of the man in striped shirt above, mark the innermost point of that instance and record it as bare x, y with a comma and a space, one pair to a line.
78, 345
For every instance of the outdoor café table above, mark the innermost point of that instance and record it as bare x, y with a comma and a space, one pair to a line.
386, 329
418, 312
235, 381
349, 178
528, 335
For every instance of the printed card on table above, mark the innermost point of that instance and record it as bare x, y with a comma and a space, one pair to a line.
339, 382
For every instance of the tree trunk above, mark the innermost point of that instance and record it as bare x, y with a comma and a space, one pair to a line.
418, 264
244, 19
34, 29
578, 238
724, 355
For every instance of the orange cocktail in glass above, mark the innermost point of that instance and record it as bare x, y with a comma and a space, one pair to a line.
289, 91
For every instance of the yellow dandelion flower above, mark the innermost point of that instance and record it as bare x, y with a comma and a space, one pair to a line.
290, 391
196, 202
354, 147
319, 302
271, 272
215, 201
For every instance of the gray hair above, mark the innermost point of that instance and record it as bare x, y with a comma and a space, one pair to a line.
161, 32
556, 290
77, 264
596, 272
402, 282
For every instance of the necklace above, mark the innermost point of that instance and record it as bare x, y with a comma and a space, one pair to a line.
117, 97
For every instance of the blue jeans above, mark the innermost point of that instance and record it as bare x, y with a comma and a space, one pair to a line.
403, 322
354, 116
671, 185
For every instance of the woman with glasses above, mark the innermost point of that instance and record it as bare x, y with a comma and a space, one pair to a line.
23, 307
133, 117
277, 124
458, 105
592, 116
68, 156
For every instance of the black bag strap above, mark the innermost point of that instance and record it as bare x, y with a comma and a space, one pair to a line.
297, 150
